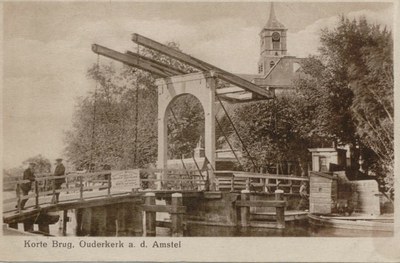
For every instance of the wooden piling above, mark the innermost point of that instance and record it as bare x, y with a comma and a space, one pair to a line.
245, 210
13, 225
36, 194
43, 227
64, 222
150, 199
176, 217
137, 220
28, 226
86, 221
102, 221
280, 210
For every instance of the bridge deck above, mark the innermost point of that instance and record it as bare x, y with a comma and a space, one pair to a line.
72, 201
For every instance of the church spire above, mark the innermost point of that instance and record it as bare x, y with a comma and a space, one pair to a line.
273, 22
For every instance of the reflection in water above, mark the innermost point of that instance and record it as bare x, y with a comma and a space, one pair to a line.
293, 229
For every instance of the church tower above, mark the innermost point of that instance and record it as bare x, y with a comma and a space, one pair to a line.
272, 43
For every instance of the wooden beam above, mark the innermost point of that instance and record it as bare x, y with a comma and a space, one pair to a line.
129, 60
197, 63
156, 64
229, 90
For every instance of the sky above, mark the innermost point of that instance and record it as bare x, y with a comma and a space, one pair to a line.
47, 51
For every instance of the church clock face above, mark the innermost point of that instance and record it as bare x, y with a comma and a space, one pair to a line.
276, 36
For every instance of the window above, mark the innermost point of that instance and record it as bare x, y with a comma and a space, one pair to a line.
276, 45
260, 68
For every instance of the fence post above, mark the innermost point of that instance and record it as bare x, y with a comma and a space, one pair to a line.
36, 194
233, 183
248, 184
280, 211
245, 210
150, 199
19, 197
265, 185
81, 187
177, 217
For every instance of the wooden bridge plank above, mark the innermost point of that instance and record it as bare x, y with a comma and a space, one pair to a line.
258, 203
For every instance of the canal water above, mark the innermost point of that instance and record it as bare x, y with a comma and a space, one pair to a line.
298, 229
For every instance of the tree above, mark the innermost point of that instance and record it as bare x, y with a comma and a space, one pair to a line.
117, 124
43, 164
353, 84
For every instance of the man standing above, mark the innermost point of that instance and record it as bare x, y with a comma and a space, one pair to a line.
29, 174
59, 171
304, 203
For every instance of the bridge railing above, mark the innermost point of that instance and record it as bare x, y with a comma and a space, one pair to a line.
238, 180
85, 183
75, 183
173, 179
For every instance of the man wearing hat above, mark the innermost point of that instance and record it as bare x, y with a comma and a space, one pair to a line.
29, 174
59, 171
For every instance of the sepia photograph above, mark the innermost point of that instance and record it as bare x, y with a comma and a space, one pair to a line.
145, 125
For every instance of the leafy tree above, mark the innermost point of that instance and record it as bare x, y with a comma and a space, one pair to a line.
351, 87
42, 167
117, 124
185, 126
43, 164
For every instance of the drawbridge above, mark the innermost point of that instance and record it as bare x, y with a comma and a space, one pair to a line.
205, 181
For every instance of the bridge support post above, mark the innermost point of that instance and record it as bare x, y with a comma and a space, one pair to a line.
245, 210
176, 217
64, 222
150, 199
86, 221
44, 227
280, 211
137, 221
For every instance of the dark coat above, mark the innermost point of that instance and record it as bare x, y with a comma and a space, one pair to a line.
60, 171
28, 175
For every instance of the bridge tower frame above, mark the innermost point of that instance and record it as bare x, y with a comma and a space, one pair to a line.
202, 86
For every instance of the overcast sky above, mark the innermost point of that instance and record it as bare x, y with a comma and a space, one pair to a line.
47, 50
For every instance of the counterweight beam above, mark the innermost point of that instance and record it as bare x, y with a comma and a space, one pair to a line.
130, 60
197, 63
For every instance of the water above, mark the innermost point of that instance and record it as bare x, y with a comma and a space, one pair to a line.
293, 229
298, 229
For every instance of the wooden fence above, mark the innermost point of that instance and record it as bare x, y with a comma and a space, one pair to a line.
83, 184
238, 180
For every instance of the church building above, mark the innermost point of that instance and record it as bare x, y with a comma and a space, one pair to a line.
276, 70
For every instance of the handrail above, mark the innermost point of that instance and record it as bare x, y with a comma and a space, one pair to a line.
239, 180
241, 174
85, 182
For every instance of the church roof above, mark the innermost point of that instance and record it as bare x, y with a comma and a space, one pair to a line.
273, 23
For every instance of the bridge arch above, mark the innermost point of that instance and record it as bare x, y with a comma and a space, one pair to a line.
201, 86
195, 104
